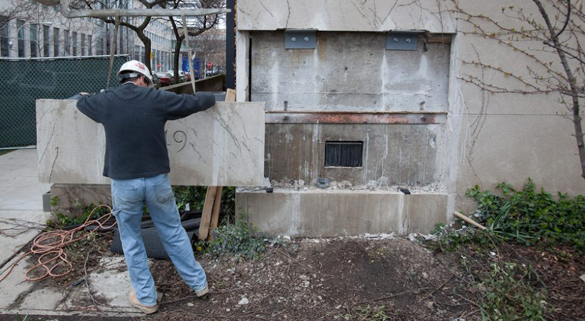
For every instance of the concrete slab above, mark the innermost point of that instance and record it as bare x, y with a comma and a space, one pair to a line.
222, 146
42, 299
20, 187
109, 284
14, 288
21, 204
332, 213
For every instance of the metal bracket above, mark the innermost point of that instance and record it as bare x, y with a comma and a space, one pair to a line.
300, 39
402, 41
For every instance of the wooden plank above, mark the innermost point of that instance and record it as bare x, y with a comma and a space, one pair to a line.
207, 209
230, 95
215, 215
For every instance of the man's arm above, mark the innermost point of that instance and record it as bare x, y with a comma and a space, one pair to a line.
87, 105
179, 106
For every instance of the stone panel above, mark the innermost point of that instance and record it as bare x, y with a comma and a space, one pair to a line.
222, 146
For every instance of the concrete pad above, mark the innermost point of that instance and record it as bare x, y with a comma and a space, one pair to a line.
17, 235
110, 285
15, 286
42, 299
332, 213
222, 146
20, 187
21, 203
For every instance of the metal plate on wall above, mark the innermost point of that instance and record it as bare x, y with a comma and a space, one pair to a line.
407, 41
300, 39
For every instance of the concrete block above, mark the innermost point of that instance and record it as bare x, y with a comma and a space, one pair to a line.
332, 213
222, 146
346, 15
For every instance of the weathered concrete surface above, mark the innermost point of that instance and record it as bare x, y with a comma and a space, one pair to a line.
21, 206
349, 72
70, 197
109, 285
327, 213
346, 15
222, 146
392, 154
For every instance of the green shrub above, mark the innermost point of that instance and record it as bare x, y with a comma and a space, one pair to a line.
511, 292
236, 239
60, 220
529, 216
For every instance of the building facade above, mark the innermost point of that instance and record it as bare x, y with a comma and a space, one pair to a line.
36, 30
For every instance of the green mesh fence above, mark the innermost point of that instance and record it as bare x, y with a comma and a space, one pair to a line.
24, 81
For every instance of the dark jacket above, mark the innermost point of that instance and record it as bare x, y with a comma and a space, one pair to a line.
134, 120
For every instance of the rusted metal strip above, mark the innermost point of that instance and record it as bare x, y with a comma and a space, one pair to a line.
355, 118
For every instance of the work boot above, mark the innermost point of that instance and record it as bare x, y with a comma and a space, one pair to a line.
148, 309
201, 293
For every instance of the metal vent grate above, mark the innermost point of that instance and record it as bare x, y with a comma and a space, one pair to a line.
343, 154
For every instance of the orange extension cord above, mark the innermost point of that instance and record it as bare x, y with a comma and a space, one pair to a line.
50, 245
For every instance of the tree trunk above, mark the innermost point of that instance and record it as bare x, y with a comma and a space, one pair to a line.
176, 58
554, 37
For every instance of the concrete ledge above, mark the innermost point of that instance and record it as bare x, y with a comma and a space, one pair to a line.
328, 213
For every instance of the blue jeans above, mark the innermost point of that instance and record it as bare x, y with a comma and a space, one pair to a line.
128, 197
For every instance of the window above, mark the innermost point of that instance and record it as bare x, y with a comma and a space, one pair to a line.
56, 42
343, 154
34, 40
136, 52
89, 45
46, 42
74, 51
20, 28
100, 47
83, 44
4, 39
66, 43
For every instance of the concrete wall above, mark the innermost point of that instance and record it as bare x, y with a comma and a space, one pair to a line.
485, 139
348, 71
222, 146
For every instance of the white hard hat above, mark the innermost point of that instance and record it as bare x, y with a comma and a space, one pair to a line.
135, 66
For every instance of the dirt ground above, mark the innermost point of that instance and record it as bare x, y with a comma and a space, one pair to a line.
319, 280
350, 279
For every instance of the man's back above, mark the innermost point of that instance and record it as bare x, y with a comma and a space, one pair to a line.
134, 118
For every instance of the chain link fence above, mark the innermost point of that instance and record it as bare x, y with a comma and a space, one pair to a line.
23, 81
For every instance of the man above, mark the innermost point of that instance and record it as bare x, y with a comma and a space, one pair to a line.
137, 162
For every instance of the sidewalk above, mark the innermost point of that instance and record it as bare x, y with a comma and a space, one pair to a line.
21, 220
